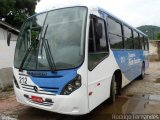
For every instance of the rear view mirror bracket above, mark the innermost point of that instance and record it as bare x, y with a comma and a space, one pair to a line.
8, 38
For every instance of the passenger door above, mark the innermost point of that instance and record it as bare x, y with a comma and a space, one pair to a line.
98, 52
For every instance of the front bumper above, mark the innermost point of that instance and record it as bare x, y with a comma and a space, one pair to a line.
73, 104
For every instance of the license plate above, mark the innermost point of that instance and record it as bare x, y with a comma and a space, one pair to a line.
37, 99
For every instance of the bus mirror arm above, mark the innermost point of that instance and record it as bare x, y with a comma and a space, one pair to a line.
8, 39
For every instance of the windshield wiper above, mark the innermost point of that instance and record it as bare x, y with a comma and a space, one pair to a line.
35, 42
48, 51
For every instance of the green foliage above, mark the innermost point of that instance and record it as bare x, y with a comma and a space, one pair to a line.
15, 12
150, 30
158, 36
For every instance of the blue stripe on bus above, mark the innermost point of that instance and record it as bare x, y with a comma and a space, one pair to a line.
53, 82
130, 62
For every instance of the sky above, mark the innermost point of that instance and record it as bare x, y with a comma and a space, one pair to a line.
134, 12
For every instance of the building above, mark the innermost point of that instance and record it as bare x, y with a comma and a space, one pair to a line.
6, 53
154, 49
5, 29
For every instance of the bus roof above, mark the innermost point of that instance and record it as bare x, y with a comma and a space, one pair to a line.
110, 14
93, 7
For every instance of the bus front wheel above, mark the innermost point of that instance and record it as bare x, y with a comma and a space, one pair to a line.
113, 90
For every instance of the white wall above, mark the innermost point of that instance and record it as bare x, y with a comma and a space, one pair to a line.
6, 59
6, 63
6, 53
3, 35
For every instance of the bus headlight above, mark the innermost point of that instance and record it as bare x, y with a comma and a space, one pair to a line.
72, 86
77, 83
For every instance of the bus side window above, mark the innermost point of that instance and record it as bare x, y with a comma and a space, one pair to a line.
115, 33
142, 42
98, 46
128, 38
136, 40
91, 41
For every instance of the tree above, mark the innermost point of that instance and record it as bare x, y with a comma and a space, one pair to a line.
158, 36
150, 30
15, 12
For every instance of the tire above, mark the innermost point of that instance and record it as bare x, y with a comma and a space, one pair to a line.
113, 90
119, 88
142, 71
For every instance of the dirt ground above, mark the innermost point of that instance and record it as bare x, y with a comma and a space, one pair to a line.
139, 97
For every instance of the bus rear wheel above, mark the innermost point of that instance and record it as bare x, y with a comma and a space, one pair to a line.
142, 71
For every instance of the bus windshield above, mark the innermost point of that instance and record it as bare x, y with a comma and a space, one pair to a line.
52, 39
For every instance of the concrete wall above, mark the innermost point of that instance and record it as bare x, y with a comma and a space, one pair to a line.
154, 49
6, 77
6, 59
6, 54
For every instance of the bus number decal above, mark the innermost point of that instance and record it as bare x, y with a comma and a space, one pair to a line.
22, 80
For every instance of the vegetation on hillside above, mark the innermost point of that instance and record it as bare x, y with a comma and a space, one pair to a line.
152, 31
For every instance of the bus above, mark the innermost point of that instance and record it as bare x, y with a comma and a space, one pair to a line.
70, 59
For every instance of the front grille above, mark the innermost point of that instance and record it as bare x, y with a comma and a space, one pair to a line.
40, 90
50, 89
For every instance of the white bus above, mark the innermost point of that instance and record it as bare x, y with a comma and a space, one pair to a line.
69, 60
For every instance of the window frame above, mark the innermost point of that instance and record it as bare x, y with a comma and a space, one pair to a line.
132, 38
137, 39
106, 36
142, 45
122, 33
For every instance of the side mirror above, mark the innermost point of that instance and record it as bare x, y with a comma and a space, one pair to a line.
99, 30
8, 39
